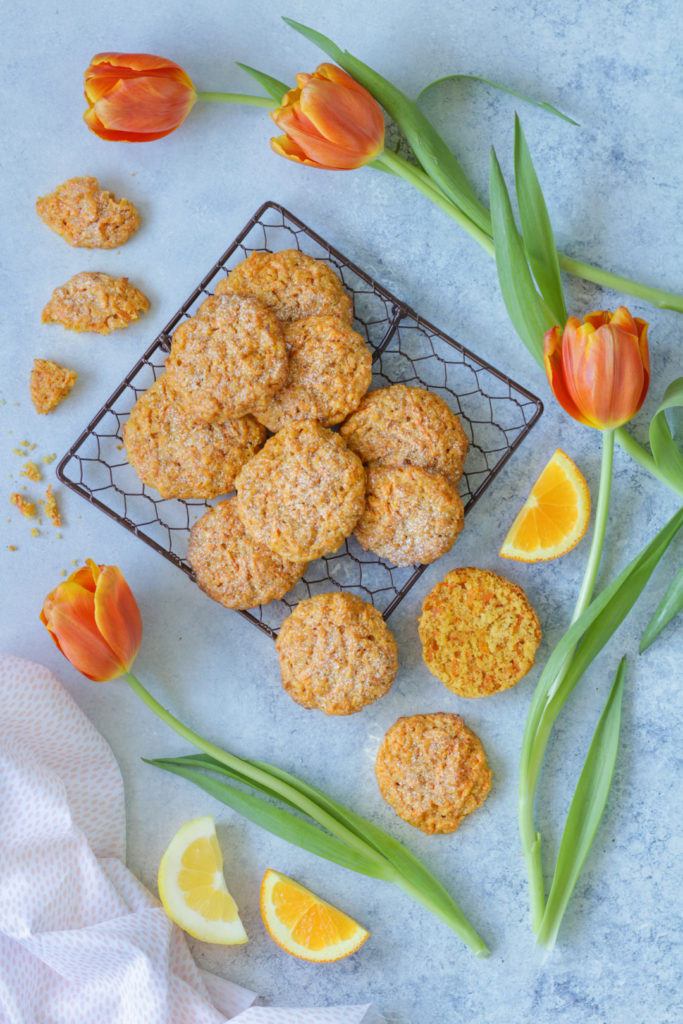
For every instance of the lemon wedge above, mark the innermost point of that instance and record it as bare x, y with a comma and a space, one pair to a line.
192, 887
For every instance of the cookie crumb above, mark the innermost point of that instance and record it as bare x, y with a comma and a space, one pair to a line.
47, 459
35, 532
31, 471
27, 508
50, 383
12, 547
51, 510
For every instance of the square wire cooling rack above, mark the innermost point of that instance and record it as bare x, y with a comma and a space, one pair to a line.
496, 413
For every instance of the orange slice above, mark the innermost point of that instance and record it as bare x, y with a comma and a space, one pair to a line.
303, 924
554, 517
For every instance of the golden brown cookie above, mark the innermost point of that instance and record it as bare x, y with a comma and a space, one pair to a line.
231, 567
302, 494
87, 216
336, 653
432, 770
411, 516
401, 425
330, 369
290, 283
227, 360
95, 302
479, 633
181, 458
50, 383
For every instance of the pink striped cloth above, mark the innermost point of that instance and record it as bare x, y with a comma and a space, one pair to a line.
81, 940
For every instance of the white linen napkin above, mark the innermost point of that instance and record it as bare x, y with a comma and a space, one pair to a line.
81, 940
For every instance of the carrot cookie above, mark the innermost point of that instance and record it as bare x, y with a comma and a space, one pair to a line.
303, 493
87, 216
50, 384
227, 360
231, 567
336, 654
290, 283
411, 516
432, 770
330, 369
479, 633
181, 458
400, 425
95, 302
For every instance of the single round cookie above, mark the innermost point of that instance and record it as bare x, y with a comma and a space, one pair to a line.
91, 301
227, 359
330, 369
336, 653
87, 216
303, 493
181, 458
231, 567
401, 425
432, 770
290, 283
479, 633
411, 516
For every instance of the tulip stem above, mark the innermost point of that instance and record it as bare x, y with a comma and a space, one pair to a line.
539, 725
236, 97
388, 161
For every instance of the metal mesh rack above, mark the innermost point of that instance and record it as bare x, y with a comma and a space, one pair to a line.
496, 413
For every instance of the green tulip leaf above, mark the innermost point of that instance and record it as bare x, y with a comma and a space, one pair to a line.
496, 85
537, 231
670, 605
271, 85
527, 310
429, 148
667, 444
586, 810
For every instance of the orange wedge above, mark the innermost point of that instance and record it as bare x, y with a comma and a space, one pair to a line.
303, 924
554, 517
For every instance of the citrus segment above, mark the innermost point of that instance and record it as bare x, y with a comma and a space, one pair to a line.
192, 887
303, 924
554, 517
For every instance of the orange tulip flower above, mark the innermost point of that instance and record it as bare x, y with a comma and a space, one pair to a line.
330, 121
94, 621
599, 370
136, 97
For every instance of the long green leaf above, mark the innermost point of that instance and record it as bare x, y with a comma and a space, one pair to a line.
281, 823
670, 605
496, 85
537, 231
527, 310
428, 146
666, 449
595, 625
271, 85
585, 811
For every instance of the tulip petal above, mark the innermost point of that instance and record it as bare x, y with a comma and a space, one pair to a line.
69, 614
552, 357
117, 615
144, 105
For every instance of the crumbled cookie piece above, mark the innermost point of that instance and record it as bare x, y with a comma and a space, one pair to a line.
31, 471
51, 510
50, 384
87, 216
27, 508
95, 302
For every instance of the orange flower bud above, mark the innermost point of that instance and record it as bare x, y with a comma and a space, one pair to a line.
599, 370
330, 121
136, 97
94, 620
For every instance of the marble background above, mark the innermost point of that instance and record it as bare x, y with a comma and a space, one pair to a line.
614, 189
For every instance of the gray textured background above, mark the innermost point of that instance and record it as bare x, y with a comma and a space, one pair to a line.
613, 187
